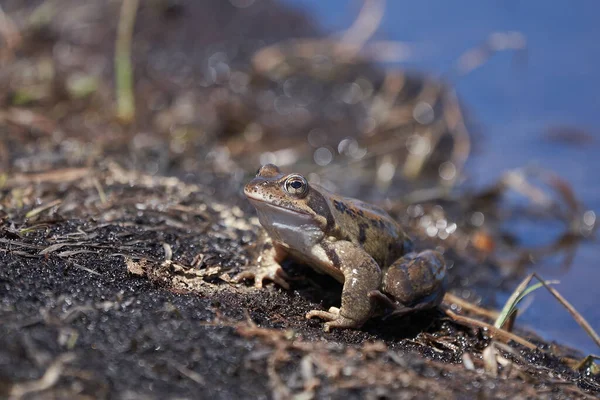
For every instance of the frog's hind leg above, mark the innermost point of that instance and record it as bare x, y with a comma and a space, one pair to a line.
362, 275
415, 282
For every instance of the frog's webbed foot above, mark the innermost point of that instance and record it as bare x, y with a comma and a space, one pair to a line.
259, 273
267, 268
336, 320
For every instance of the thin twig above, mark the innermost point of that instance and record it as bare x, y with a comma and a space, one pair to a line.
42, 208
449, 298
499, 334
574, 313
365, 25
50, 378
476, 57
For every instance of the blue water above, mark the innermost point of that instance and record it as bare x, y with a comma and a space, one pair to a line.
514, 102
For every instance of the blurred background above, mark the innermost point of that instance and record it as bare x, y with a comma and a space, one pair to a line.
474, 123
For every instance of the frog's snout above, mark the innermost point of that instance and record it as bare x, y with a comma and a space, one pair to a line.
249, 188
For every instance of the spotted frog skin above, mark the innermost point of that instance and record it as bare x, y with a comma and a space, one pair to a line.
356, 243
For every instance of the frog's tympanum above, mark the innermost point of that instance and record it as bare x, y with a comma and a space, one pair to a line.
358, 244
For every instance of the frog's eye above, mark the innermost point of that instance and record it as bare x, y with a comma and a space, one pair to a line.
296, 185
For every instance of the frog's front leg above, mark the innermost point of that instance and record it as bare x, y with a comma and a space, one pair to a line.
361, 274
267, 267
417, 281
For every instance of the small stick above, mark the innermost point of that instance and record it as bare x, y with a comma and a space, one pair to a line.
574, 313
497, 333
449, 298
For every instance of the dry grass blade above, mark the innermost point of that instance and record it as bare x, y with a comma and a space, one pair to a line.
33, 228
52, 248
71, 253
100, 190
42, 208
65, 175
498, 41
50, 378
10, 243
363, 28
81, 267
188, 373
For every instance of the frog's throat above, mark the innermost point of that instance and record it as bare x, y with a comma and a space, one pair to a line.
292, 229
259, 203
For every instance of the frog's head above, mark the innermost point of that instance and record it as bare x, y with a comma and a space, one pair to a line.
287, 199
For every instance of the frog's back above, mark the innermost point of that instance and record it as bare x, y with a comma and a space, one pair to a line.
368, 226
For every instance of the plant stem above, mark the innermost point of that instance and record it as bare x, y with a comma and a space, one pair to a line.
123, 67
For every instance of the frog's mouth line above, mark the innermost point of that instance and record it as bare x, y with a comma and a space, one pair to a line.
261, 203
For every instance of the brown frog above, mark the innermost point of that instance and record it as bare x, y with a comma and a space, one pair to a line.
358, 244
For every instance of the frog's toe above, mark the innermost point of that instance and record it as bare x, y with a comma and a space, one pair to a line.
330, 315
259, 274
243, 276
336, 320
279, 277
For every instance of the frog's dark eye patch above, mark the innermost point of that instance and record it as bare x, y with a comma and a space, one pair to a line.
296, 185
